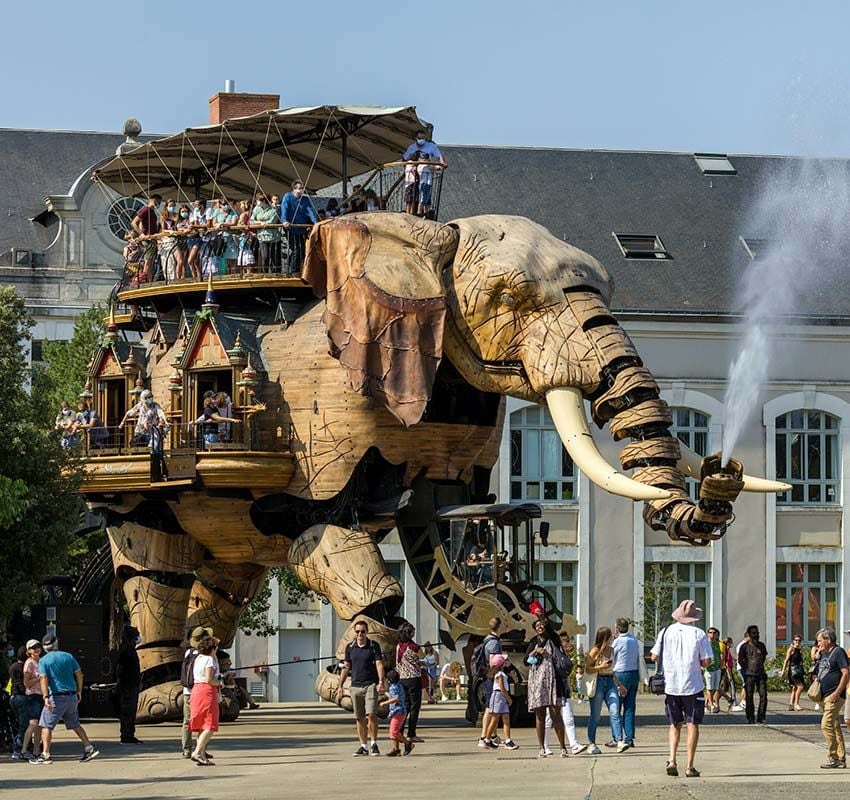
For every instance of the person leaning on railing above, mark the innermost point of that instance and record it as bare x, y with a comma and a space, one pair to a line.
147, 413
209, 421
146, 223
297, 214
265, 214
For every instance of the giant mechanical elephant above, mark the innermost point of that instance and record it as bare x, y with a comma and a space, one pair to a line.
391, 379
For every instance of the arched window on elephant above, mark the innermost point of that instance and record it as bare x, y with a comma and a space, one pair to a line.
807, 457
691, 428
541, 469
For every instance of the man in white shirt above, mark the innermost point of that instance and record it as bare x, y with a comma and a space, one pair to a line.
684, 651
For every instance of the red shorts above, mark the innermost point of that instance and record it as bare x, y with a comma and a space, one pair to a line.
396, 725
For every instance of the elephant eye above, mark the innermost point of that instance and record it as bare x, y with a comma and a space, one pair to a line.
507, 299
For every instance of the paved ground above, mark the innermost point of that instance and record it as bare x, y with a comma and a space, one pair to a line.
304, 751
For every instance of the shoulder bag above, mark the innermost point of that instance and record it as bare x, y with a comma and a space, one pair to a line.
657, 683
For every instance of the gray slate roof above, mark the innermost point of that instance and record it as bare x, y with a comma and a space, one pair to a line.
584, 196
35, 163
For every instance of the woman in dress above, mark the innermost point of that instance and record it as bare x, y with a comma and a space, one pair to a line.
407, 662
546, 689
600, 661
793, 671
203, 701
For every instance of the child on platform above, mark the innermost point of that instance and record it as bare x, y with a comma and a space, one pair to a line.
500, 700
398, 712
411, 185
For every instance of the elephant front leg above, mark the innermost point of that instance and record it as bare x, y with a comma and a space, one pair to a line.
156, 571
347, 567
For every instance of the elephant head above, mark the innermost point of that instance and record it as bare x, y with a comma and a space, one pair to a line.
520, 313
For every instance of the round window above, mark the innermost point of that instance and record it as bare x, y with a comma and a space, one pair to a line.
120, 215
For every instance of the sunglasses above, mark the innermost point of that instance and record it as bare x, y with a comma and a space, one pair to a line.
359, 630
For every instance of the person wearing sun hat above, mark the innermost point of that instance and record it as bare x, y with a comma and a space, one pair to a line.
683, 650
195, 637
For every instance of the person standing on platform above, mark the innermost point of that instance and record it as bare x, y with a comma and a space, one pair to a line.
683, 651
128, 673
364, 662
626, 668
61, 686
297, 214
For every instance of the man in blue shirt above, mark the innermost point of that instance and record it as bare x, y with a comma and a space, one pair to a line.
424, 147
626, 668
296, 212
61, 686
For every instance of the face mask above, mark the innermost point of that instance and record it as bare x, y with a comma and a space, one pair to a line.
138, 640
420, 141
149, 401
10, 653
224, 206
171, 209
184, 213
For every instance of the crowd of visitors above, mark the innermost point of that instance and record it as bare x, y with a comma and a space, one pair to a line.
172, 241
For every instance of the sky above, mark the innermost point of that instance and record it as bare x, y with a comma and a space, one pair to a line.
739, 77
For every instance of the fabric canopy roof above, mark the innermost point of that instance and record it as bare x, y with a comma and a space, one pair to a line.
268, 150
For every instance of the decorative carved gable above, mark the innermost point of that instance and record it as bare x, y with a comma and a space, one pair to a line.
109, 366
206, 349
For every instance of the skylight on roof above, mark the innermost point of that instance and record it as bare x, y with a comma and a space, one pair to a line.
640, 245
755, 248
715, 164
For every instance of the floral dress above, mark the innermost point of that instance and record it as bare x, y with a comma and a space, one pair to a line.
542, 683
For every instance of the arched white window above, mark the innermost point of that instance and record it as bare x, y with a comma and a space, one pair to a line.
808, 457
541, 469
691, 427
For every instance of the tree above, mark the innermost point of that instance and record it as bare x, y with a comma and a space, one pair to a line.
39, 501
65, 361
255, 621
659, 594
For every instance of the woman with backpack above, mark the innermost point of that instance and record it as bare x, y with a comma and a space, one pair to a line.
547, 687
752, 656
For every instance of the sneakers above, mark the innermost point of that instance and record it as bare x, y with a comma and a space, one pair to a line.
131, 740
835, 763
482, 742
90, 754
564, 753
594, 750
360, 751
444, 699
408, 748
715, 710
188, 754
373, 750
393, 753
496, 739
544, 753
17, 756
578, 748
612, 743
622, 747
510, 744
547, 751
42, 760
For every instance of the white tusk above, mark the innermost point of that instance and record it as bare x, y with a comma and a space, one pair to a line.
691, 465
567, 409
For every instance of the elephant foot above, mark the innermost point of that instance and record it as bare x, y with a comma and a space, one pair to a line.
160, 703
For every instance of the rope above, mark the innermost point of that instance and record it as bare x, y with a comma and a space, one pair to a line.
171, 174
203, 163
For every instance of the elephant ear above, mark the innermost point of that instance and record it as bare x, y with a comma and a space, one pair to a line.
386, 306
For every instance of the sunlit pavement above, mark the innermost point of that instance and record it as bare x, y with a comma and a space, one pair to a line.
304, 751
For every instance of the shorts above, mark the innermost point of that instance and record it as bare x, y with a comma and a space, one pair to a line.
35, 702
211, 438
487, 686
409, 193
688, 708
64, 709
425, 194
712, 680
149, 248
397, 725
365, 700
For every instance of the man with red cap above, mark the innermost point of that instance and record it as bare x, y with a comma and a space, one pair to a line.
682, 651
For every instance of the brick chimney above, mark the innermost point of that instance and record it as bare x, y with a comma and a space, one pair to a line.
229, 104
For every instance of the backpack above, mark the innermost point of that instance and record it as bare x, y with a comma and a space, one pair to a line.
187, 669
478, 662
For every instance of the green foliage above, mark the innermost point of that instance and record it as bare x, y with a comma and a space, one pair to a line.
38, 479
255, 620
659, 592
65, 364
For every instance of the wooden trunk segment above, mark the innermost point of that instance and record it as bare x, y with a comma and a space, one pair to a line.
346, 566
158, 611
141, 548
158, 655
240, 580
223, 525
211, 610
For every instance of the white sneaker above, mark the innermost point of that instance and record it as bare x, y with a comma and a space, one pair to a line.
594, 750
622, 747
817, 706
546, 751
578, 748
